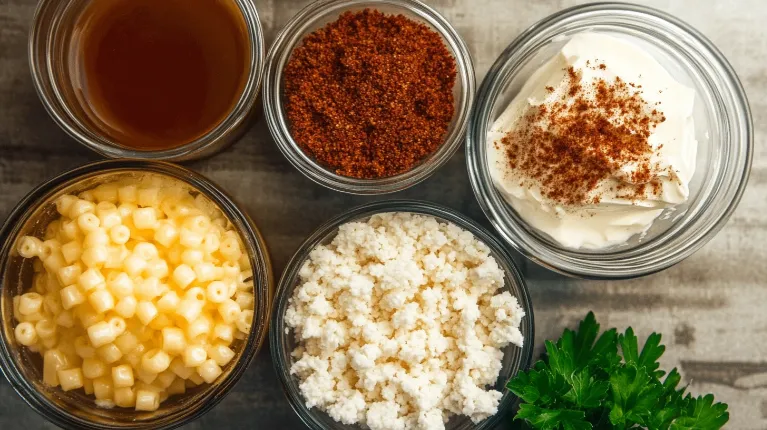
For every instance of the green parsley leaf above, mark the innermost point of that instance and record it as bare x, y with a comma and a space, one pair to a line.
561, 359
587, 392
634, 396
651, 352
588, 330
672, 398
524, 387
661, 418
672, 381
702, 414
575, 351
576, 425
552, 419
539, 386
672, 395
603, 353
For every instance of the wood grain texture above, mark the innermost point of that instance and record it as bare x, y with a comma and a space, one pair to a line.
710, 307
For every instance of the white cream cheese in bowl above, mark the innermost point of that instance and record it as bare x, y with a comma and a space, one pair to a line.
596, 145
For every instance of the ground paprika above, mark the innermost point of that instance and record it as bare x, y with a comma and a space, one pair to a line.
370, 95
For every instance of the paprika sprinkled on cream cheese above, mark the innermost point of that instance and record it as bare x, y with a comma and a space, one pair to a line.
596, 144
587, 135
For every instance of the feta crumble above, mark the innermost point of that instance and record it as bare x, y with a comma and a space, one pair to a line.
400, 323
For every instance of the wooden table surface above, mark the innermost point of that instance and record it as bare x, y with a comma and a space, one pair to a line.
709, 307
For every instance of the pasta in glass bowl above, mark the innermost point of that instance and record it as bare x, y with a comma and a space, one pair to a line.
134, 295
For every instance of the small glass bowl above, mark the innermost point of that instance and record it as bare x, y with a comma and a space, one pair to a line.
74, 410
282, 341
323, 12
53, 30
723, 124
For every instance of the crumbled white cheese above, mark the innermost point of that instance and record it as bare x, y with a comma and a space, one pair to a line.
400, 323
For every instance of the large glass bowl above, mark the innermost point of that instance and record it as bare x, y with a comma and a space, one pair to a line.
74, 410
323, 12
282, 341
723, 124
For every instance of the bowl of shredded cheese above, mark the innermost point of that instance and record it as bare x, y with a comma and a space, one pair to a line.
400, 315
134, 295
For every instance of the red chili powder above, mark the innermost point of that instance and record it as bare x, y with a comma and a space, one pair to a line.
370, 95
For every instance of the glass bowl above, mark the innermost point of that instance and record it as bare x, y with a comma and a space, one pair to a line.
74, 410
282, 342
53, 30
323, 12
724, 132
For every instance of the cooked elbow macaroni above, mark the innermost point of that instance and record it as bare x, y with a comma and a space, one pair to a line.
139, 292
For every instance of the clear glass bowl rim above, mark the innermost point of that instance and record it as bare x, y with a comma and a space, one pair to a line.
223, 134
262, 272
612, 265
291, 35
286, 284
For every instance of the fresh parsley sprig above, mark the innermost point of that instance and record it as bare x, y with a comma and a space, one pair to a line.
592, 381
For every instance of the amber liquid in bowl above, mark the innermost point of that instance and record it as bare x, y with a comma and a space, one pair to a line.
157, 74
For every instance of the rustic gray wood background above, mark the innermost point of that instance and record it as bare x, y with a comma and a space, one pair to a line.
710, 308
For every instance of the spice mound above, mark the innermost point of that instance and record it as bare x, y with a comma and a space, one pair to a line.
370, 95
400, 322
598, 142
